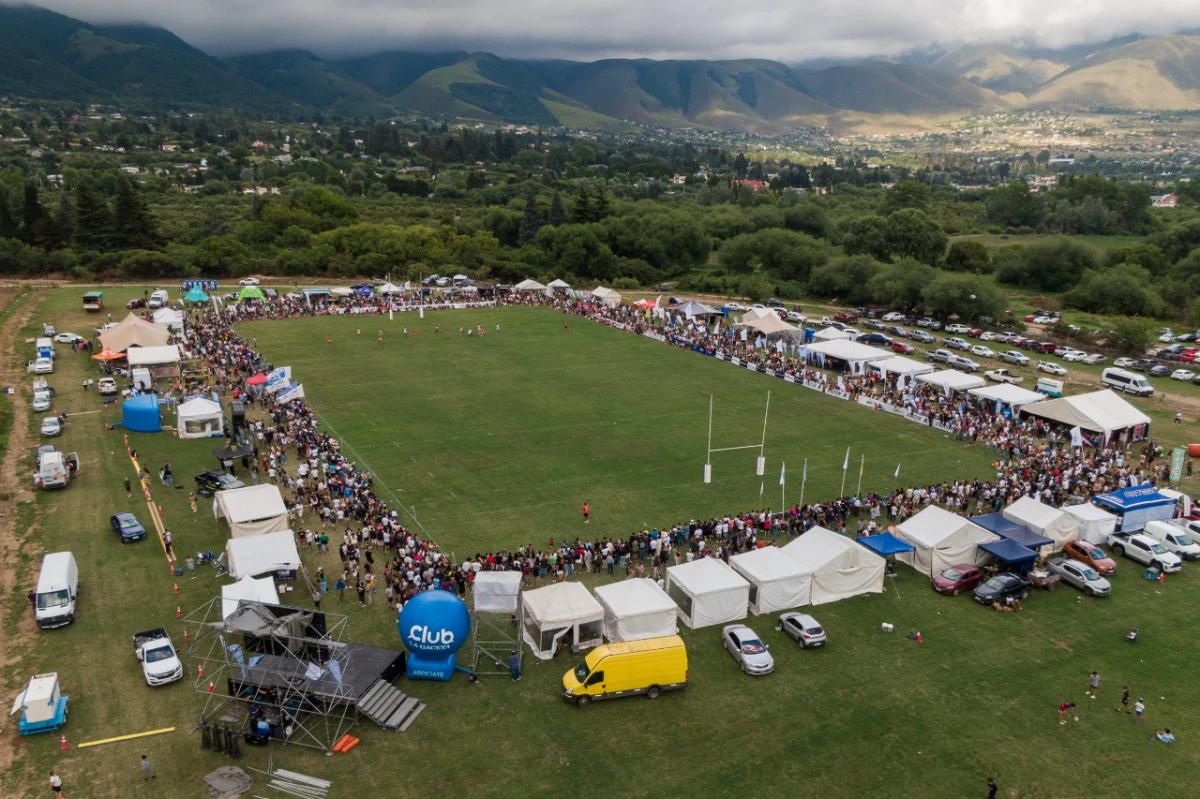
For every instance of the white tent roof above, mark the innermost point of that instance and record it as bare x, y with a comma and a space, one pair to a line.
562, 602
341, 291
780, 582
636, 609
1096, 412
708, 592
261, 554
840, 567
952, 379
942, 539
1095, 523
849, 351
1041, 518
692, 309
496, 592
529, 285
832, 334
153, 356
557, 284
199, 418
131, 331
771, 324
198, 408
390, 288
251, 511
757, 313
1007, 393
606, 296
171, 317
250, 589
900, 365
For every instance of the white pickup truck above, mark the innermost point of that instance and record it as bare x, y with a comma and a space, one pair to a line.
1080, 575
1174, 538
1145, 550
1003, 376
160, 663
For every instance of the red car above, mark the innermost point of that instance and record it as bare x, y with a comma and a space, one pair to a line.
846, 317
1031, 317
956, 579
1090, 554
135, 303
902, 348
975, 332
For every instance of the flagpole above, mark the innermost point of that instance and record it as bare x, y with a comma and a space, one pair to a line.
861, 466
803, 482
845, 466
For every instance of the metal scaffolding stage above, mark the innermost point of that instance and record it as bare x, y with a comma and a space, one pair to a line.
277, 673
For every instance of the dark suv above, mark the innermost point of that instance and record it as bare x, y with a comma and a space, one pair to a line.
215, 480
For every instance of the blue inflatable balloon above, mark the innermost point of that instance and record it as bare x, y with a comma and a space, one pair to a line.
433, 625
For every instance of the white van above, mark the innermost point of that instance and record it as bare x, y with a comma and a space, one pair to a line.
159, 299
1128, 382
45, 348
57, 590
1174, 539
1190, 527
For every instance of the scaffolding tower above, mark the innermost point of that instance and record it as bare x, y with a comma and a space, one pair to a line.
498, 621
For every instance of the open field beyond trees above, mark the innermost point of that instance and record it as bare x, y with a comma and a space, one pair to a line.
496, 442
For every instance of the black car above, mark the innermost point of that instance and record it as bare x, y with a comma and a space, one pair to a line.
1187, 337
874, 339
1001, 587
1143, 365
1159, 370
215, 480
127, 526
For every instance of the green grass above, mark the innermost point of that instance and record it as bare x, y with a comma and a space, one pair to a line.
516, 430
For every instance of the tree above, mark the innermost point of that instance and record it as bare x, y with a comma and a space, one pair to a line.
912, 234
846, 278
786, 255
600, 208
223, 256
1054, 265
8, 224
133, 227
1015, 206
93, 219
531, 222
582, 212
900, 284
476, 179
906, 194
64, 220
327, 205
964, 296
1146, 256
968, 255
806, 217
1124, 289
31, 210
868, 235
1131, 336
578, 251
558, 214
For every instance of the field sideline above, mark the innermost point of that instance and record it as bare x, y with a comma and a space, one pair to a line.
452, 428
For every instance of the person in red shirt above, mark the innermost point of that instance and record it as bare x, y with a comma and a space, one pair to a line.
586, 513
1062, 711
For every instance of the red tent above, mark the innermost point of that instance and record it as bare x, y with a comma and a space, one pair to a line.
257, 380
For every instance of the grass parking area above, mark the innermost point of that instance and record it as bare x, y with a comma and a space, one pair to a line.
496, 442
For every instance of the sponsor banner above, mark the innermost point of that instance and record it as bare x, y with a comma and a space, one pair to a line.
293, 392
789, 378
278, 379
736, 361
753, 367
814, 385
837, 392
720, 356
770, 373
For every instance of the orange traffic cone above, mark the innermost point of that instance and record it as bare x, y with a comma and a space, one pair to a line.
185, 636
200, 672
211, 687
65, 746
918, 638
176, 591
178, 612
1161, 577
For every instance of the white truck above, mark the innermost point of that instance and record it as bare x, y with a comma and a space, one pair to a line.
1174, 539
160, 662
1003, 376
1145, 550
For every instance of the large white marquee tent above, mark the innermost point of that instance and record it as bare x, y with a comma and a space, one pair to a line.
942, 539
707, 592
777, 582
856, 356
558, 612
251, 511
952, 380
262, 554
636, 609
1097, 412
1095, 523
839, 566
1041, 518
199, 418
900, 366
1007, 394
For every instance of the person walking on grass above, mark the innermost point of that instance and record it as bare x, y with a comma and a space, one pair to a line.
192, 501
147, 770
1124, 706
1093, 684
128, 489
992, 788
586, 513
514, 666
1063, 709
56, 783
1139, 710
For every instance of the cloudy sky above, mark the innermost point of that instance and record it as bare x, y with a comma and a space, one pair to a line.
785, 30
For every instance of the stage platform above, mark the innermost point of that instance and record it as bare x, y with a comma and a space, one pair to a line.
362, 666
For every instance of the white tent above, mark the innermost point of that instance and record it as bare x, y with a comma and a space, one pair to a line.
636, 609
855, 355
757, 313
390, 288
496, 592
952, 380
833, 334
691, 309
250, 589
251, 511
1041, 518
1099, 411
900, 365
341, 291
772, 325
1095, 523
262, 554
777, 582
1008, 394
153, 356
942, 539
840, 567
529, 285
134, 331
199, 418
170, 317
707, 592
561, 611
606, 296
558, 285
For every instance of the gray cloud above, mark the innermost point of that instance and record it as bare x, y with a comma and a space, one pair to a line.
776, 29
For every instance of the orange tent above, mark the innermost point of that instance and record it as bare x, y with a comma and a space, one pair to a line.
108, 355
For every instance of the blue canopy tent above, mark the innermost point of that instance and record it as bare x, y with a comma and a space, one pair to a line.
1007, 528
1018, 558
140, 414
885, 544
196, 294
1137, 505
364, 291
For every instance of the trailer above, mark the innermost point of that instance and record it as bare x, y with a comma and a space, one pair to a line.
93, 301
44, 708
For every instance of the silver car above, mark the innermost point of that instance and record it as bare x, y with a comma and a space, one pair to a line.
806, 630
747, 649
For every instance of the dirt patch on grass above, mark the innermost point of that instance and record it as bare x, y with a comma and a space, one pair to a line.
1063, 645
12, 492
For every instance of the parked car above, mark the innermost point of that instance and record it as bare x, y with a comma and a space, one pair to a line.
1001, 587
921, 336
1167, 336
106, 385
136, 302
1092, 555
1014, 357
215, 480
747, 649
1080, 575
1174, 538
939, 356
875, 324
127, 527
874, 340
806, 630
957, 343
956, 579
1095, 359
1123, 363
771, 301
964, 364
902, 348
896, 331
40, 366
248, 281
988, 335
160, 663
41, 401
982, 351
846, 316
1003, 376
1050, 367
796, 316
893, 316
1183, 374
51, 426
957, 328
1073, 356
1159, 370
924, 321
975, 332
68, 338
1145, 550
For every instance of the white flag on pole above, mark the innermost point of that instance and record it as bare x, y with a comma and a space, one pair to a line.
846, 462
897, 471
804, 473
761, 486
782, 472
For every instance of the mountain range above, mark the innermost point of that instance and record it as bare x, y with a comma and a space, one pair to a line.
49, 56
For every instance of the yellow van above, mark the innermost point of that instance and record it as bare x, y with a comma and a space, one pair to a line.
625, 669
